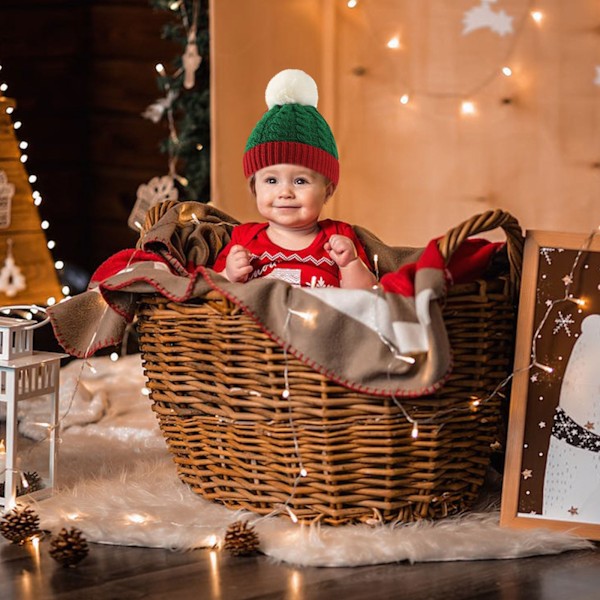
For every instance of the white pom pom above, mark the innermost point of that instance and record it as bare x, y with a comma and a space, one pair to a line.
292, 86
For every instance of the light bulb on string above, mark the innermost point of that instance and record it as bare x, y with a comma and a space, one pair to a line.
394, 43
23, 145
24, 158
468, 108
415, 431
17, 125
10, 110
32, 178
3, 87
537, 16
51, 244
160, 69
44, 224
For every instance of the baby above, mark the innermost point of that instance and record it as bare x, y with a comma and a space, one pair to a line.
291, 161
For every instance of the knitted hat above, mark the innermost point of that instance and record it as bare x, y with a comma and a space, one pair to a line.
292, 130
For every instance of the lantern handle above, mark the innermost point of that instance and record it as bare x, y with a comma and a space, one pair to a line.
30, 307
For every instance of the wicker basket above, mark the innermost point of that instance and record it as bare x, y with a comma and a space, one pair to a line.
326, 452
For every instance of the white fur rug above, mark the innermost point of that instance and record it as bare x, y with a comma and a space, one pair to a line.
118, 485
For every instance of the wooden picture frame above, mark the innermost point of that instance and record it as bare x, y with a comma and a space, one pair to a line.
552, 471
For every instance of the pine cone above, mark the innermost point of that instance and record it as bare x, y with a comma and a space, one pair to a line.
34, 483
241, 539
19, 525
68, 547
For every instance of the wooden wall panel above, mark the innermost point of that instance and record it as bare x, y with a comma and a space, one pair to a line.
82, 72
410, 172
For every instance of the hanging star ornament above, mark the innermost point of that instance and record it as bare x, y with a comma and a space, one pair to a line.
482, 17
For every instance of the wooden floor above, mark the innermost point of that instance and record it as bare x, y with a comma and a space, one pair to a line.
123, 573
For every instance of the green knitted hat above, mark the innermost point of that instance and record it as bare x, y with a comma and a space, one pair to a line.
292, 130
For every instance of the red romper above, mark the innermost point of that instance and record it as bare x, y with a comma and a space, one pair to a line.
297, 267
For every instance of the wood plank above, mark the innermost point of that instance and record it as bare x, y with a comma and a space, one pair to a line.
25, 29
126, 141
123, 85
129, 572
130, 32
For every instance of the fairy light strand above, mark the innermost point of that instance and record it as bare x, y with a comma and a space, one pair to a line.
32, 179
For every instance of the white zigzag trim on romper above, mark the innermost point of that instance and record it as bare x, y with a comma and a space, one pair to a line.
288, 257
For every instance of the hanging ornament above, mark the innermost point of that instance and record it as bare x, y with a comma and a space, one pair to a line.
241, 539
156, 111
19, 525
158, 189
69, 547
7, 191
191, 60
12, 280
482, 16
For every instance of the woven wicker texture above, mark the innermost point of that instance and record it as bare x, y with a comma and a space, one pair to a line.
216, 383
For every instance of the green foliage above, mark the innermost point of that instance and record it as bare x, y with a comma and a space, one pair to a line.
191, 107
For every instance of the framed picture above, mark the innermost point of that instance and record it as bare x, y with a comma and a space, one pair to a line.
552, 471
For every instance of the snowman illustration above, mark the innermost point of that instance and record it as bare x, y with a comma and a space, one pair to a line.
572, 479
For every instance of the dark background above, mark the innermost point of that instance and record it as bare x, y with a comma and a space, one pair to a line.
82, 72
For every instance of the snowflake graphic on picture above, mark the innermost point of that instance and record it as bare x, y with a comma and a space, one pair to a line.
563, 322
482, 17
158, 189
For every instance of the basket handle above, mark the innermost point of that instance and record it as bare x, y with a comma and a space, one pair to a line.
488, 221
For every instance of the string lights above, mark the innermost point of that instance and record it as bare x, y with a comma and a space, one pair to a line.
32, 178
467, 107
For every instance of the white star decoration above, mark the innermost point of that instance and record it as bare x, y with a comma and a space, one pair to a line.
527, 473
542, 424
482, 16
567, 279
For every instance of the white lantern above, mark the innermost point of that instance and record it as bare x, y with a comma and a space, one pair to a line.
27, 376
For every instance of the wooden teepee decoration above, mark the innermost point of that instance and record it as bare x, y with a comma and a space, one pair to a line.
27, 267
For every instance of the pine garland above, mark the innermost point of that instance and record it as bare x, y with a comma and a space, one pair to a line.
191, 107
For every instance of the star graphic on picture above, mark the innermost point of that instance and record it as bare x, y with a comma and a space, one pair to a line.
567, 279
527, 473
542, 424
534, 378
589, 425
574, 511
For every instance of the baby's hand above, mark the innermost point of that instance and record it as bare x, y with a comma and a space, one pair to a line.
341, 249
237, 266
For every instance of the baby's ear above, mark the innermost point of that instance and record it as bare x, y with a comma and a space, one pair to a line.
252, 185
329, 190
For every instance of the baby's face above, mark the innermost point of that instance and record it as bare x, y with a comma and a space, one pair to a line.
291, 196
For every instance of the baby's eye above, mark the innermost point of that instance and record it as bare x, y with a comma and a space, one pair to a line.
300, 181
270, 180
